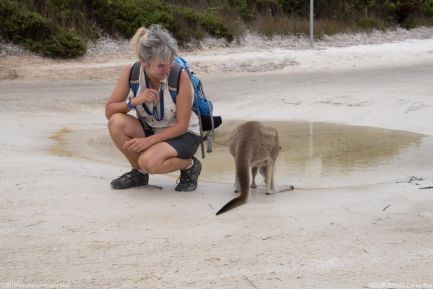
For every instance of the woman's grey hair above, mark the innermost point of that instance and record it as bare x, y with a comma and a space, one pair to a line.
154, 44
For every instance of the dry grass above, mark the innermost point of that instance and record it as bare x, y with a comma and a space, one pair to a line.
268, 25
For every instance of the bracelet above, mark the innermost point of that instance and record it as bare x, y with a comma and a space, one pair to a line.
129, 104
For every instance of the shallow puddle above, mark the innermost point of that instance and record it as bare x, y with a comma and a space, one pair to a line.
313, 155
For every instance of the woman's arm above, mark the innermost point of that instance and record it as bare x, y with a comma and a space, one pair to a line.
116, 103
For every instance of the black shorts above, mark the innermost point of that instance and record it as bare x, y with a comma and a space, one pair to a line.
186, 145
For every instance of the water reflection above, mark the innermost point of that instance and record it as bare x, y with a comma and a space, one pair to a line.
312, 155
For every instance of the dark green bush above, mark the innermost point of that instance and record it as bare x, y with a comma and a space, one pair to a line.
295, 7
37, 33
62, 44
242, 7
118, 17
401, 10
69, 14
190, 24
427, 8
115, 17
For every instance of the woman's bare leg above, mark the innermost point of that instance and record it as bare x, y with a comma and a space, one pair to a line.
162, 158
123, 127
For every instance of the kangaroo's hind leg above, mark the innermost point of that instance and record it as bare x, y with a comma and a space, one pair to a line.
270, 178
264, 173
271, 185
237, 185
254, 174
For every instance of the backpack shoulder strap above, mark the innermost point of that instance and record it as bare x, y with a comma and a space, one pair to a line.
133, 77
173, 80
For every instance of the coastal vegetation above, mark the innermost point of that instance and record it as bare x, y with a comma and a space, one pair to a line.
61, 28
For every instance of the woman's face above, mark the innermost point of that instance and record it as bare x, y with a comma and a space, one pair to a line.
159, 69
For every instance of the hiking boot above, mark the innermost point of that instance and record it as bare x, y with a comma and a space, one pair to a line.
130, 179
187, 181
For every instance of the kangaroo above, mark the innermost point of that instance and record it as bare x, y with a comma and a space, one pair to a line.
254, 147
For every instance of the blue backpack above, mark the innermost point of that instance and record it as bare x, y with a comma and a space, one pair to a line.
201, 105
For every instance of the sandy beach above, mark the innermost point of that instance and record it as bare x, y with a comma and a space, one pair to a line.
357, 137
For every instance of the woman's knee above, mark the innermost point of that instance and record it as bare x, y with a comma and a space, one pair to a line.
123, 124
149, 164
116, 122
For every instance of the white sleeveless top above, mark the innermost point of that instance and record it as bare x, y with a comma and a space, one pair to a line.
169, 117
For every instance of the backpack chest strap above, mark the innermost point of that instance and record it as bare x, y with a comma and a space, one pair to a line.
134, 76
174, 79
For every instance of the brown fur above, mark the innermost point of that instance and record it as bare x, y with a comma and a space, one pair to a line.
256, 148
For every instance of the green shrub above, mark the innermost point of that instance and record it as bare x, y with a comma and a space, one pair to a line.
295, 7
190, 24
65, 13
115, 17
37, 33
118, 17
242, 7
401, 10
62, 44
427, 8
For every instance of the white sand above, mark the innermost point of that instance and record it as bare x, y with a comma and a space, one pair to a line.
63, 227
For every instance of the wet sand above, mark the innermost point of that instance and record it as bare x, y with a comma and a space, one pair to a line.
61, 222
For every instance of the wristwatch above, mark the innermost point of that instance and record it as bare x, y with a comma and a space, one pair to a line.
129, 104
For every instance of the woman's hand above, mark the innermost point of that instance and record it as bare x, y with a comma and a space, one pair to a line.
138, 144
148, 95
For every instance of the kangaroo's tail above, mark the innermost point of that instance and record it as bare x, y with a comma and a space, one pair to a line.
243, 174
232, 204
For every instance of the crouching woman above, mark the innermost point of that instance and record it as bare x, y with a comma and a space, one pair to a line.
164, 135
